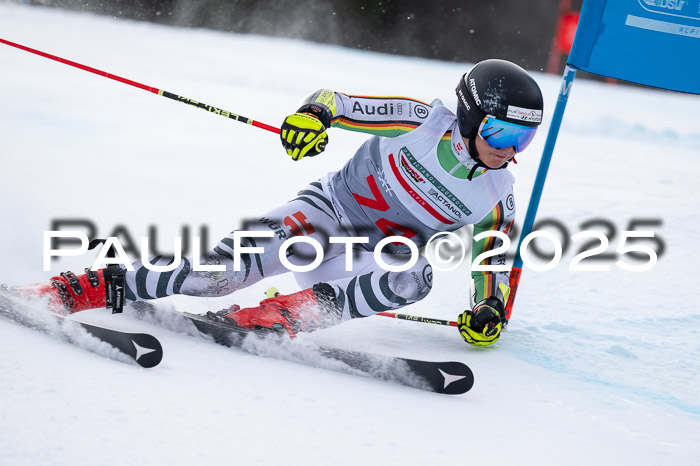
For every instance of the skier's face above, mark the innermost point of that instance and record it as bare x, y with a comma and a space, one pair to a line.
493, 158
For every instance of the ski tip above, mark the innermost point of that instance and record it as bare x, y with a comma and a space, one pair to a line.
448, 378
149, 352
457, 378
144, 348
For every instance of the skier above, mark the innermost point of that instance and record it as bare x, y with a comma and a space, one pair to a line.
423, 172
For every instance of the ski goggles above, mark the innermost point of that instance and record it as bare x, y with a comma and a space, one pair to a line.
500, 134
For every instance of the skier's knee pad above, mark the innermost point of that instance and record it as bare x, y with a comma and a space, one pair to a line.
413, 284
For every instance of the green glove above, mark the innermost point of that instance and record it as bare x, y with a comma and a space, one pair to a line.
303, 134
482, 325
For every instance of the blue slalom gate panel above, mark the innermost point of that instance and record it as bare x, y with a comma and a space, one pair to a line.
650, 42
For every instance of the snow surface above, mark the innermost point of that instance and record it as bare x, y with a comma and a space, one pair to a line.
596, 367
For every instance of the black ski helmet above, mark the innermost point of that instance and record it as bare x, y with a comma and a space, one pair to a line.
499, 88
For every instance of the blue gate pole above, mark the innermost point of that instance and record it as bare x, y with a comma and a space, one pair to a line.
567, 83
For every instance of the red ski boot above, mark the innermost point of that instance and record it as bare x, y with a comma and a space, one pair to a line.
304, 311
69, 293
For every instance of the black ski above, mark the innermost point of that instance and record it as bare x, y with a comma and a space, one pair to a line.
145, 349
451, 377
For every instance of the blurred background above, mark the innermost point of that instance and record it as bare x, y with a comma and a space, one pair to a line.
535, 34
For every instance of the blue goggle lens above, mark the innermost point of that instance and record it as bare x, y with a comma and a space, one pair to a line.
502, 134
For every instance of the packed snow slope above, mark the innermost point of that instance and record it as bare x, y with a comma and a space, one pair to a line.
596, 367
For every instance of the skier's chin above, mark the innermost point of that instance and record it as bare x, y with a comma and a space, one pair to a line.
495, 162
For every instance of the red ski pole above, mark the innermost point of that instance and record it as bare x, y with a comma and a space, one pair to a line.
169, 95
425, 320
